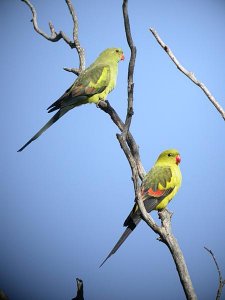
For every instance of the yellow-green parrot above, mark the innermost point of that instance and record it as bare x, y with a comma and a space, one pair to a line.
93, 85
159, 186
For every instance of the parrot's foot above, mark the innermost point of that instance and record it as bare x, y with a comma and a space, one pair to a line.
164, 213
101, 103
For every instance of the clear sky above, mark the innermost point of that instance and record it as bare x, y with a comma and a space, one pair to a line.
64, 198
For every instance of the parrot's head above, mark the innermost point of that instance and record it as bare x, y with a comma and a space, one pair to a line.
112, 54
171, 156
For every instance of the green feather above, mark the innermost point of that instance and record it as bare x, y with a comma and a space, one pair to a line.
157, 175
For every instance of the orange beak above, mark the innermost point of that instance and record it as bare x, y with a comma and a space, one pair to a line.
178, 159
122, 57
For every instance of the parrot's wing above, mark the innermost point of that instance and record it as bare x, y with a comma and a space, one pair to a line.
92, 81
156, 186
134, 218
151, 200
158, 178
154, 189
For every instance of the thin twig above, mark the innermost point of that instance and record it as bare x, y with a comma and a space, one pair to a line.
190, 75
80, 50
130, 110
221, 280
55, 37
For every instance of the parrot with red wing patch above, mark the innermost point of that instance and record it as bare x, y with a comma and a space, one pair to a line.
158, 188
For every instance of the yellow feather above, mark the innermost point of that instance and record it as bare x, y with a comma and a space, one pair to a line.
175, 183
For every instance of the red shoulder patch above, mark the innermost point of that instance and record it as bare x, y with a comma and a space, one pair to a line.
156, 193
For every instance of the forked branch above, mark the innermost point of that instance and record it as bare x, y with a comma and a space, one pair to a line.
55, 37
164, 231
133, 147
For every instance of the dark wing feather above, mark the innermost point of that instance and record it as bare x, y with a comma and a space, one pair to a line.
151, 202
54, 119
157, 175
134, 218
81, 87
121, 240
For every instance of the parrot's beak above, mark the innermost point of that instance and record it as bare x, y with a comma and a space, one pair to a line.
122, 57
178, 159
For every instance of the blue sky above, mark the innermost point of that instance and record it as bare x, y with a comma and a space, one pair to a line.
65, 197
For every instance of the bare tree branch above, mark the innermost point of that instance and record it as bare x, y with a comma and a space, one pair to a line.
221, 280
190, 75
55, 37
164, 231
107, 108
80, 50
130, 110
80, 290
122, 137
169, 239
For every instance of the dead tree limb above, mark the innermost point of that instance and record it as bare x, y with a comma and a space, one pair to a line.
76, 42
55, 37
189, 74
164, 231
221, 280
80, 290
130, 86
107, 108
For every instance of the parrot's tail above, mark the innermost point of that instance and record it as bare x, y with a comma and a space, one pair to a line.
55, 118
123, 237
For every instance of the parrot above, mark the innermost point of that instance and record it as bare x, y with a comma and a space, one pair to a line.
93, 85
158, 187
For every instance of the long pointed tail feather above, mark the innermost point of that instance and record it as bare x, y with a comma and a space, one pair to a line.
55, 118
122, 239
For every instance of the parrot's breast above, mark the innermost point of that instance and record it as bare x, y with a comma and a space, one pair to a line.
175, 184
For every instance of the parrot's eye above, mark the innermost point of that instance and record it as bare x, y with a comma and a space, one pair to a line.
170, 154
117, 51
